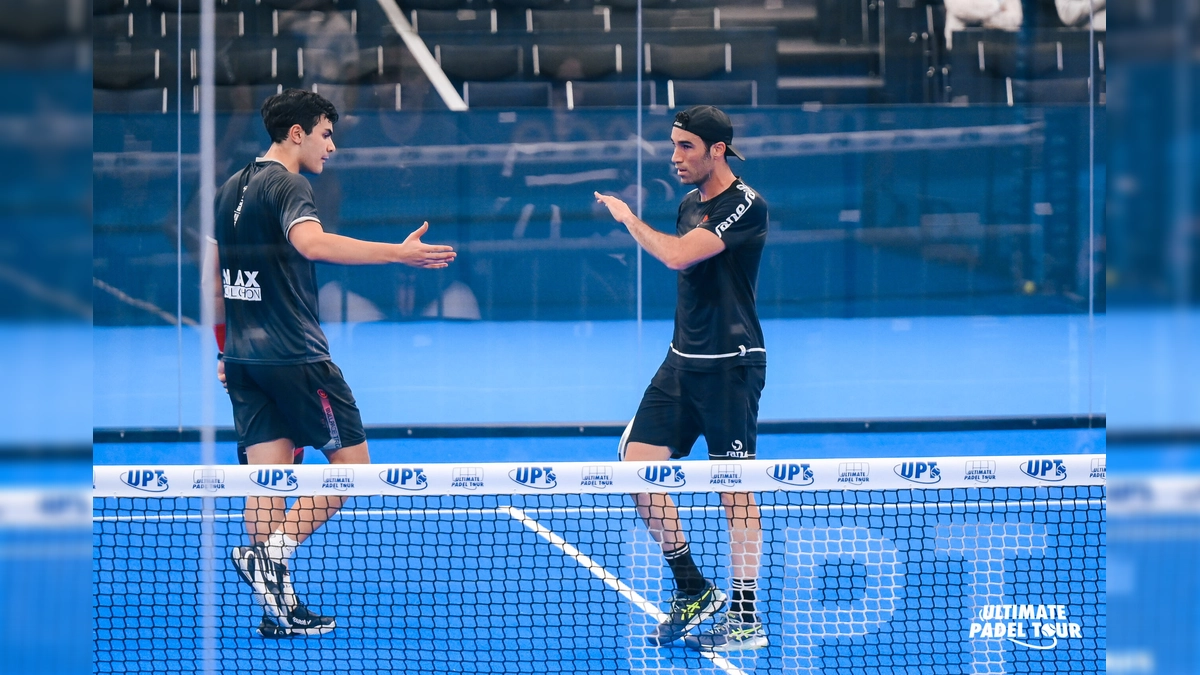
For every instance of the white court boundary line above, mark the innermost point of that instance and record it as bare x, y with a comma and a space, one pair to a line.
607, 577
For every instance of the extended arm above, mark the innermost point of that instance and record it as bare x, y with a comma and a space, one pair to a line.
677, 253
317, 245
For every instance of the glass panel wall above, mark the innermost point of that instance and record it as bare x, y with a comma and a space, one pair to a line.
931, 177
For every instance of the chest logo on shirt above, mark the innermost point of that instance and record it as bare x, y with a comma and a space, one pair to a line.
244, 287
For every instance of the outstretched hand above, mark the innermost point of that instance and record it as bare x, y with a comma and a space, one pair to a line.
418, 254
619, 209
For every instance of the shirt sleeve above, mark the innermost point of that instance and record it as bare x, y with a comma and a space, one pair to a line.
294, 201
739, 219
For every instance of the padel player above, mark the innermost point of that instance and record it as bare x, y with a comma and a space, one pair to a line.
712, 377
275, 364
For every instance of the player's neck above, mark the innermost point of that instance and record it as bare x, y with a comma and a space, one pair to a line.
720, 180
279, 153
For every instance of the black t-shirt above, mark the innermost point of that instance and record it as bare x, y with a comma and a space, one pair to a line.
716, 321
270, 289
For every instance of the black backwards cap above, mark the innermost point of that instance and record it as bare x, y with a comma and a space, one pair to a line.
710, 124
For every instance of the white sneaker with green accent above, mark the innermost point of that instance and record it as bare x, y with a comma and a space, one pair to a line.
728, 636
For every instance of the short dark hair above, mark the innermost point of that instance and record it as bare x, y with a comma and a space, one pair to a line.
295, 106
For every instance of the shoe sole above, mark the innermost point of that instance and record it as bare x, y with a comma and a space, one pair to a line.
717, 604
756, 643
261, 593
316, 630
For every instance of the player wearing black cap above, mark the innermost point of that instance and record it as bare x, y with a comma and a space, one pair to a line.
712, 377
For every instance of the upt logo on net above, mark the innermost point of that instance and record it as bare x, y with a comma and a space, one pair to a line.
1052, 470
919, 472
791, 474
537, 477
663, 475
405, 478
146, 480
279, 480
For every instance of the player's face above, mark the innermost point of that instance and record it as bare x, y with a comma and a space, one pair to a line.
693, 163
316, 147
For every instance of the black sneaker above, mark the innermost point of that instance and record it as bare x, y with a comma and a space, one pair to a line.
301, 621
265, 577
687, 612
268, 628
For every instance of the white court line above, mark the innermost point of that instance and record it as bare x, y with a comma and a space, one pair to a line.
608, 578
606, 510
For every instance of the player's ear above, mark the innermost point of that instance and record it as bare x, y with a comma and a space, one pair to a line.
296, 133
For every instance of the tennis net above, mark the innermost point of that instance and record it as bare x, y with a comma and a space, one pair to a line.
903, 565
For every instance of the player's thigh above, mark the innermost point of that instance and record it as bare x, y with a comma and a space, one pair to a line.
728, 403
257, 418
318, 403
663, 419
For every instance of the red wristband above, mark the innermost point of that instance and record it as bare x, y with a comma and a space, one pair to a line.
219, 331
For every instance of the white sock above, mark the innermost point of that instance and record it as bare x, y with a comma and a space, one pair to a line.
280, 546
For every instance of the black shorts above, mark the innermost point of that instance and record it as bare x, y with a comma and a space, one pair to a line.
308, 403
679, 405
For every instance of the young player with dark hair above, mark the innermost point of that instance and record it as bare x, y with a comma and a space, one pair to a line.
712, 377
275, 364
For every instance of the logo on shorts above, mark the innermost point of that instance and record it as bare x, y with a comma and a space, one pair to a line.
279, 480
736, 450
1099, 469
1052, 470
536, 477
338, 479
244, 287
596, 477
727, 475
405, 479
663, 475
791, 474
146, 480
919, 472
209, 480
467, 477
854, 473
980, 471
